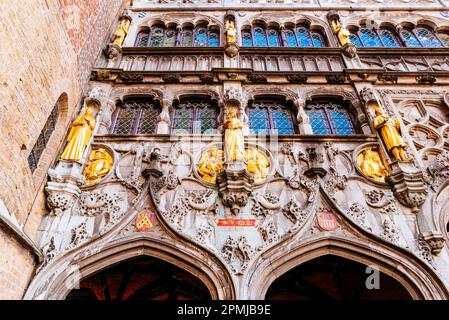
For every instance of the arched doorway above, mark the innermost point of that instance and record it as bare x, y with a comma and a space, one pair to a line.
332, 277
142, 278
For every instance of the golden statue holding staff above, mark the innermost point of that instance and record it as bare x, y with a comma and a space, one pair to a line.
122, 31
390, 132
231, 32
234, 141
211, 164
100, 163
79, 136
257, 164
370, 163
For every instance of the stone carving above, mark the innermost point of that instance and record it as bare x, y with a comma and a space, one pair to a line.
178, 212
171, 78
292, 63
207, 77
387, 78
237, 253
265, 205
357, 213
257, 78
163, 63
296, 78
59, 202
49, 252
205, 234
334, 182
391, 231
437, 172
79, 235
166, 182
435, 241
336, 78
97, 203
342, 34
269, 233
129, 77
257, 163
100, 75
426, 79
425, 251
381, 199
112, 51
293, 212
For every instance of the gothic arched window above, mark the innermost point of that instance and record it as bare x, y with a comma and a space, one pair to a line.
329, 117
389, 38
194, 116
370, 38
260, 37
354, 38
318, 39
170, 37
142, 38
269, 116
200, 37
247, 38
187, 38
410, 39
427, 37
136, 116
304, 38
273, 38
44, 137
444, 37
156, 37
290, 37
213, 38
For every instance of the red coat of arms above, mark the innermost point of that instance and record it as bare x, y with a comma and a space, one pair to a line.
327, 221
144, 221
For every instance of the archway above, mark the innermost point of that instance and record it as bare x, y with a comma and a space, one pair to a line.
141, 278
331, 277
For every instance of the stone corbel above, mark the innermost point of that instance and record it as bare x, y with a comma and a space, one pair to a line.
304, 126
163, 121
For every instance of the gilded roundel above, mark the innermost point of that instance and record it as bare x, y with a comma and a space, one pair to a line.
99, 165
371, 165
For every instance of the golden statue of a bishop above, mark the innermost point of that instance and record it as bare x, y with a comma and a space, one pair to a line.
79, 136
234, 141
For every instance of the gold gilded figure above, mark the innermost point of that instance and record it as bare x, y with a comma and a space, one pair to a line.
235, 145
231, 32
121, 32
99, 165
79, 136
257, 164
371, 165
211, 164
390, 132
342, 33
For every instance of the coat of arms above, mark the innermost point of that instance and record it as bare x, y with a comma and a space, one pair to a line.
327, 221
144, 221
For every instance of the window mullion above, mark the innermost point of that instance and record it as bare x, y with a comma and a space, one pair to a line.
379, 37
328, 118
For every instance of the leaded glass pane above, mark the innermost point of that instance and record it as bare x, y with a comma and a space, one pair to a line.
389, 38
444, 37
270, 117
318, 121
260, 39
370, 38
208, 118
214, 40
304, 37
258, 121
341, 122
148, 120
355, 40
318, 40
157, 37
273, 38
183, 120
187, 38
427, 37
290, 37
282, 121
142, 39
247, 39
170, 37
410, 39
200, 37
125, 121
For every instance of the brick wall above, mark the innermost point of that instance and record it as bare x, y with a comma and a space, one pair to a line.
49, 47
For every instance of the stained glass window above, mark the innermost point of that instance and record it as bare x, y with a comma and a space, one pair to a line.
157, 37
318, 40
214, 39
170, 38
410, 39
195, 115
290, 37
273, 38
187, 38
200, 37
247, 39
44, 137
389, 38
354, 38
444, 37
427, 37
260, 39
304, 39
329, 118
136, 116
370, 38
142, 38
270, 117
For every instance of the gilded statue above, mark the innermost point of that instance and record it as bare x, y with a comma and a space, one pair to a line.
211, 164
257, 164
371, 165
231, 32
79, 136
234, 142
100, 163
390, 132
341, 32
121, 32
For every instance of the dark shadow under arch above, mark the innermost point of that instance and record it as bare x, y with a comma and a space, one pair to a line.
331, 277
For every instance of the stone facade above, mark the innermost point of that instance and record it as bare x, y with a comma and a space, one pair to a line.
398, 224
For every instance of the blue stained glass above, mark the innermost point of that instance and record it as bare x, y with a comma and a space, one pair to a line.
389, 38
355, 40
213, 39
410, 39
341, 122
290, 37
273, 38
370, 38
260, 39
318, 40
318, 122
201, 37
444, 37
247, 39
259, 122
427, 37
304, 37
